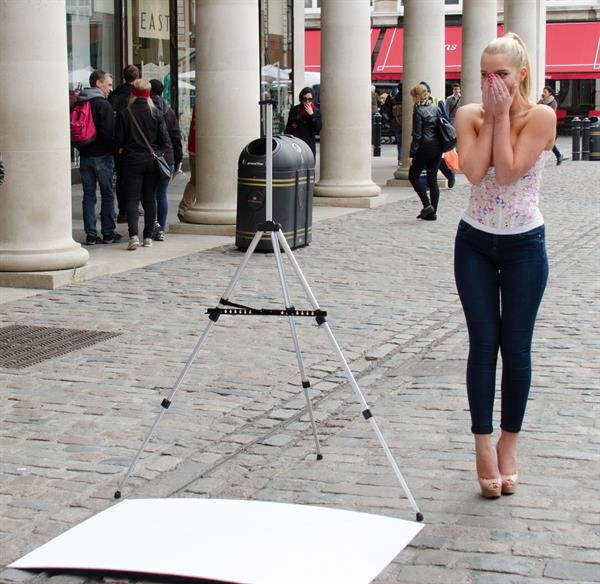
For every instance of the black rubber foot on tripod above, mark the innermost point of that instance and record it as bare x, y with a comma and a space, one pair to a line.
117, 494
319, 457
419, 517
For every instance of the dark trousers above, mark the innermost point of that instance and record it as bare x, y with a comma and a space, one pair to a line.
141, 181
428, 158
500, 281
556, 151
120, 189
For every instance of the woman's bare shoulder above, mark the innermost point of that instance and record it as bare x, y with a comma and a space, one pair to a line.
471, 112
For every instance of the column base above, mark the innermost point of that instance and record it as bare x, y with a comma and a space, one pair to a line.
67, 258
354, 202
346, 191
198, 215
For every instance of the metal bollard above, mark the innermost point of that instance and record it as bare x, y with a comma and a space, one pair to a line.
377, 134
576, 135
585, 139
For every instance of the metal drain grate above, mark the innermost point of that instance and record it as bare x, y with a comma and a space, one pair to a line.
23, 346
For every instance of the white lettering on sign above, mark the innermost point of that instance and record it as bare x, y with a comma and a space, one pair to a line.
153, 20
452, 47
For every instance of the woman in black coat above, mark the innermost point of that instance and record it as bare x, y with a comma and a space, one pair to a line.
304, 121
140, 170
425, 150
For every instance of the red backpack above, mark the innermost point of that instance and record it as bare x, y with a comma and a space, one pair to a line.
83, 129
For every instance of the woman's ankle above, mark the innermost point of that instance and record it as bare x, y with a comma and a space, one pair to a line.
507, 452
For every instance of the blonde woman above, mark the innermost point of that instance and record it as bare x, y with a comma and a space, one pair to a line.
500, 260
140, 172
425, 150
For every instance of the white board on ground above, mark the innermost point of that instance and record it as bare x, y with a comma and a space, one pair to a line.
244, 542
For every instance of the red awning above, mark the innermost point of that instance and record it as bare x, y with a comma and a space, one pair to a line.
572, 51
312, 48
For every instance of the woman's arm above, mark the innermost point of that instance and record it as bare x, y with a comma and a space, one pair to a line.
538, 134
315, 120
474, 144
417, 132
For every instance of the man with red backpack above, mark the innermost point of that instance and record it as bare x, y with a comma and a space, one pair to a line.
96, 155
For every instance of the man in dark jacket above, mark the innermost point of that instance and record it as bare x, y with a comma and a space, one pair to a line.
96, 162
119, 100
173, 156
304, 121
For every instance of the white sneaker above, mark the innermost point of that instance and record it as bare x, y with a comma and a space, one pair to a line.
147, 242
134, 243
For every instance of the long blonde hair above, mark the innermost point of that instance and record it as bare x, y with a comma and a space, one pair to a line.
141, 85
513, 46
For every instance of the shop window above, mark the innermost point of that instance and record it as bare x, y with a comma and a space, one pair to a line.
149, 34
91, 43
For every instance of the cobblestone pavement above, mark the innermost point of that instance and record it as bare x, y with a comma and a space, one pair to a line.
238, 427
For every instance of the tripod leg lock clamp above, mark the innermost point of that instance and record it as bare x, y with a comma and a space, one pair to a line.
367, 414
165, 403
269, 226
306, 384
320, 318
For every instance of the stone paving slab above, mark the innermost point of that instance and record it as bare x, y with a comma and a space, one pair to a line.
238, 426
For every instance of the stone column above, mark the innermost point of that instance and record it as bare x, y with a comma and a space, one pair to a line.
523, 18
479, 21
227, 110
345, 164
424, 60
35, 200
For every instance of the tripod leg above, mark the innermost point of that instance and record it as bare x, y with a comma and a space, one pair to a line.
366, 412
288, 304
167, 401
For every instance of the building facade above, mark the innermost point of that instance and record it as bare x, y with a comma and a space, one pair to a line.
222, 56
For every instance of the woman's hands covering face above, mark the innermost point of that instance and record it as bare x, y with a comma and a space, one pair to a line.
499, 97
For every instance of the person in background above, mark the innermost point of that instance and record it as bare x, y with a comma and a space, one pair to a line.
449, 174
2, 174
548, 98
453, 102
500, 261
304, 121
425, 150
119, 99
173, 156
393, 106
139, 167
189, 193
96, 162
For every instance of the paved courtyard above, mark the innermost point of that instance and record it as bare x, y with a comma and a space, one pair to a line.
238, 427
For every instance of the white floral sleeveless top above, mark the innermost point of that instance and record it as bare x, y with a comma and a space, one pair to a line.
507, 209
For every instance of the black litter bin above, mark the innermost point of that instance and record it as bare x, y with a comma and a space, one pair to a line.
293, 186
594, 138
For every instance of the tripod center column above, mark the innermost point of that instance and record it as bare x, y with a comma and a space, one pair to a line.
345, 102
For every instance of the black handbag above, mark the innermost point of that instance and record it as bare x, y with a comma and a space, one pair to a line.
447, 134
163, 166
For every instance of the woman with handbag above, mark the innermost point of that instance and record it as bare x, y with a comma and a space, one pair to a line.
425, 150
142, 139
500, 262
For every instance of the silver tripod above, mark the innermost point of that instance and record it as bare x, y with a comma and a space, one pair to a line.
229, 308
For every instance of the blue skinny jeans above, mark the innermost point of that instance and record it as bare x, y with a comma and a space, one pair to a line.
500, 281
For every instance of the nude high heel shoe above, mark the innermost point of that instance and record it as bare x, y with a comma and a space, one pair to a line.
490, 488
509, 481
